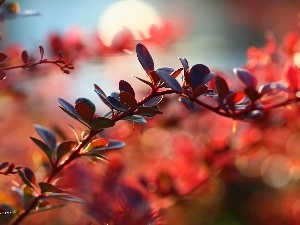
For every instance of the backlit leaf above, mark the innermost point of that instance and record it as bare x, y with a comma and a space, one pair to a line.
48, 137
47, 207
246, 77
126, 87
47, 187
27, 195
154, 77
65, 147
96, 144
144, 58
176, 73
112, 144
98, 156
170, 81
99, 123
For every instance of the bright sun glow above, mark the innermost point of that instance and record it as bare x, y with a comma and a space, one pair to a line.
135, 15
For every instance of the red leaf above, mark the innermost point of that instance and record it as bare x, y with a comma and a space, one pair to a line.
2, 75
64, 148
84, 111
97, 143
291, 74
25, 56
126, 87
222, 87
127, 100
3, 57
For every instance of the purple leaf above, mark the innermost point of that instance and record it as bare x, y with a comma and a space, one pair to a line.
170, 81
184, 63
116, 104
4, 165
187, 103
136, 119
153, 101
169, 70
45, 148
144, 57
199, 74
248, 79
46, 135
68, 107
272, 88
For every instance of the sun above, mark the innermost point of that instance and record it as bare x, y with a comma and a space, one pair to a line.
135, 15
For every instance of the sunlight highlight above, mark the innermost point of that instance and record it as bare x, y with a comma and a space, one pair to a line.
135, 15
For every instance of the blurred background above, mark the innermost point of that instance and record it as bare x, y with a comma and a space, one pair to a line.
215, 33
258, 166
